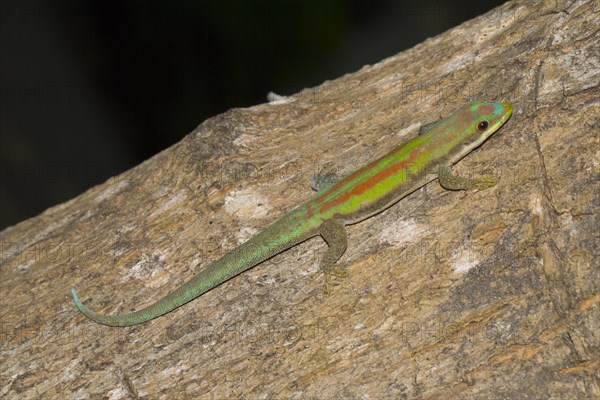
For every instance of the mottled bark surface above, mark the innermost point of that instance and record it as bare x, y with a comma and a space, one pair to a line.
476, 295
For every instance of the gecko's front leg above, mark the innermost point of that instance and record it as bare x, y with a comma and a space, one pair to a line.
453, 182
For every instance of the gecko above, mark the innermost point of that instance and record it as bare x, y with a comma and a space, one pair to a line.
344, 201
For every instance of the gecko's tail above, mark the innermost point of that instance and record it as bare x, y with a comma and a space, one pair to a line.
163, 306
85, 310
254, 251
214, 274
170, 302
198, 285
111, 320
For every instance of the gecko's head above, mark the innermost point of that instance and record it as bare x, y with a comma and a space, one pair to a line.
478, 121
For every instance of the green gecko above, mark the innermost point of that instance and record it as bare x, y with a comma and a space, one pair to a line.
339, 202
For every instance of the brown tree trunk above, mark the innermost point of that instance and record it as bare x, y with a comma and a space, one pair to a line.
473, 295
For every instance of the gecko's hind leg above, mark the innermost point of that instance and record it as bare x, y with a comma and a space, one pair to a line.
326, 178
334, 233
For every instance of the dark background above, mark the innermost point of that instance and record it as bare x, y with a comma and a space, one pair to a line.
89, 89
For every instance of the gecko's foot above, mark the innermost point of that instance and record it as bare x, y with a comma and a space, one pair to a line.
329, 271
326, 289
326, 177
454, 182
337, 271
484, 182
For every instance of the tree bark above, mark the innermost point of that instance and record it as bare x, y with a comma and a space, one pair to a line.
474, 295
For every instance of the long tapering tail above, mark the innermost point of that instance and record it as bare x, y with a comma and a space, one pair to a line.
283, 234
199, 284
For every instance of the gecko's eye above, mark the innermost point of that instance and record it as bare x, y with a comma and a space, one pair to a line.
482, 126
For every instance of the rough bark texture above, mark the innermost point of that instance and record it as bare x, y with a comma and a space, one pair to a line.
474, 295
